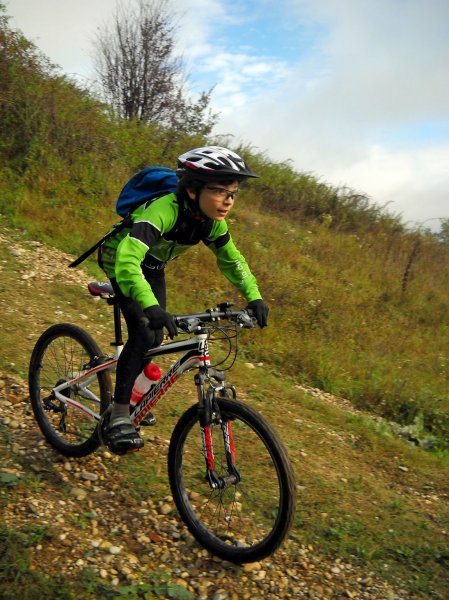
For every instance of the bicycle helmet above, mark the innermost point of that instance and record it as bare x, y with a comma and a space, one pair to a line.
213, 162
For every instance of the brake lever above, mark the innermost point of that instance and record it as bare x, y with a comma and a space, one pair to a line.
245, 319
188, 325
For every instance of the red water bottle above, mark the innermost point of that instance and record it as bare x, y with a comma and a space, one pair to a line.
144, 381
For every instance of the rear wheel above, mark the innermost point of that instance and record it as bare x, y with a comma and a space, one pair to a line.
244, 521
63, 352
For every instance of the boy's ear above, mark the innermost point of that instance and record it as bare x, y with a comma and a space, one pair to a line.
191, 192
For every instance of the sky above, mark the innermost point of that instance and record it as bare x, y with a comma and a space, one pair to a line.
354, 92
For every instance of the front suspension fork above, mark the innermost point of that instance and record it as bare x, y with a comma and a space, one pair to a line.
209, 414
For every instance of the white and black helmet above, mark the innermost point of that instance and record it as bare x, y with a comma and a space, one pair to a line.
213, 162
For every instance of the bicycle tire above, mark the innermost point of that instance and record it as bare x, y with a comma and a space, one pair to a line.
245, 522
62, 351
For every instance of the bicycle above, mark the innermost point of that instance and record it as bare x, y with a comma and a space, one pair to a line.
230, 476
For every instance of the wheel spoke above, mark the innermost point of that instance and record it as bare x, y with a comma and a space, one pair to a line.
246, 520
61, 354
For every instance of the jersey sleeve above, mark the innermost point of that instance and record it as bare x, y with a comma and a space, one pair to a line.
149, 223
231, 262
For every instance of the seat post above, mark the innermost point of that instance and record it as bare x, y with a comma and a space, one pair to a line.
118, 341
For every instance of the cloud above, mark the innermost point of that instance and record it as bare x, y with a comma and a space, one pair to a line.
198, 21
62, 29
366, 106
240, 77
386, 59
413, 182
375, 62
220, 54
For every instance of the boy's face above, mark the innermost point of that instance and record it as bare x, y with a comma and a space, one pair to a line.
216, 199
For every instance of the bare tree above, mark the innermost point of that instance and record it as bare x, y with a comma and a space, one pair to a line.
140, 74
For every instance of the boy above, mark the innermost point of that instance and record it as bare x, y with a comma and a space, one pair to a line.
134, 260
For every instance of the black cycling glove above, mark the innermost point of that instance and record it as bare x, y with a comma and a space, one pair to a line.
160, 318
260, 311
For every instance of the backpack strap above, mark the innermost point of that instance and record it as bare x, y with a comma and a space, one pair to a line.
126, 222
83, 256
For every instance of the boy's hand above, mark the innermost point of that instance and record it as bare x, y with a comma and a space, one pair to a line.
160, 318
260, 310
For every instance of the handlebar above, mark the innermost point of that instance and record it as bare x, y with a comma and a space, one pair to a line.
243, 318
191, 322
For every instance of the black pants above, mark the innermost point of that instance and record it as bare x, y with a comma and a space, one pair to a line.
140, 339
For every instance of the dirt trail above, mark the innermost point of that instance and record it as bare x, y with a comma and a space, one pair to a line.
76, 502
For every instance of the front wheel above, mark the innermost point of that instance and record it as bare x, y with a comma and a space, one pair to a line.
62, 353
246, 520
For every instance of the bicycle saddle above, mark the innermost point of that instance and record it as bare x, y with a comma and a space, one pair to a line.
100, 288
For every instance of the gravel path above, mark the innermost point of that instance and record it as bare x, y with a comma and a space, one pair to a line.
76, 503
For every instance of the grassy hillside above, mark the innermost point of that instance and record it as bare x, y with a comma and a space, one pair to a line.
372, 516
364, 299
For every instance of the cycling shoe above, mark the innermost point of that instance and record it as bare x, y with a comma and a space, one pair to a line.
120, 436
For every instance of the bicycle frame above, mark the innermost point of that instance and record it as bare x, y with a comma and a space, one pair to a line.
196, 355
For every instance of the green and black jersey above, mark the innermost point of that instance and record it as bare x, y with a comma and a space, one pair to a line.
162, 230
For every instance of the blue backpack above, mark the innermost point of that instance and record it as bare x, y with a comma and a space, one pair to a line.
146, 185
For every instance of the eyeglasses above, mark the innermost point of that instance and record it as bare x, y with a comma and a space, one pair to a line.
222, 192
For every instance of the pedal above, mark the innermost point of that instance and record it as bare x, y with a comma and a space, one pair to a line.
148, 421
